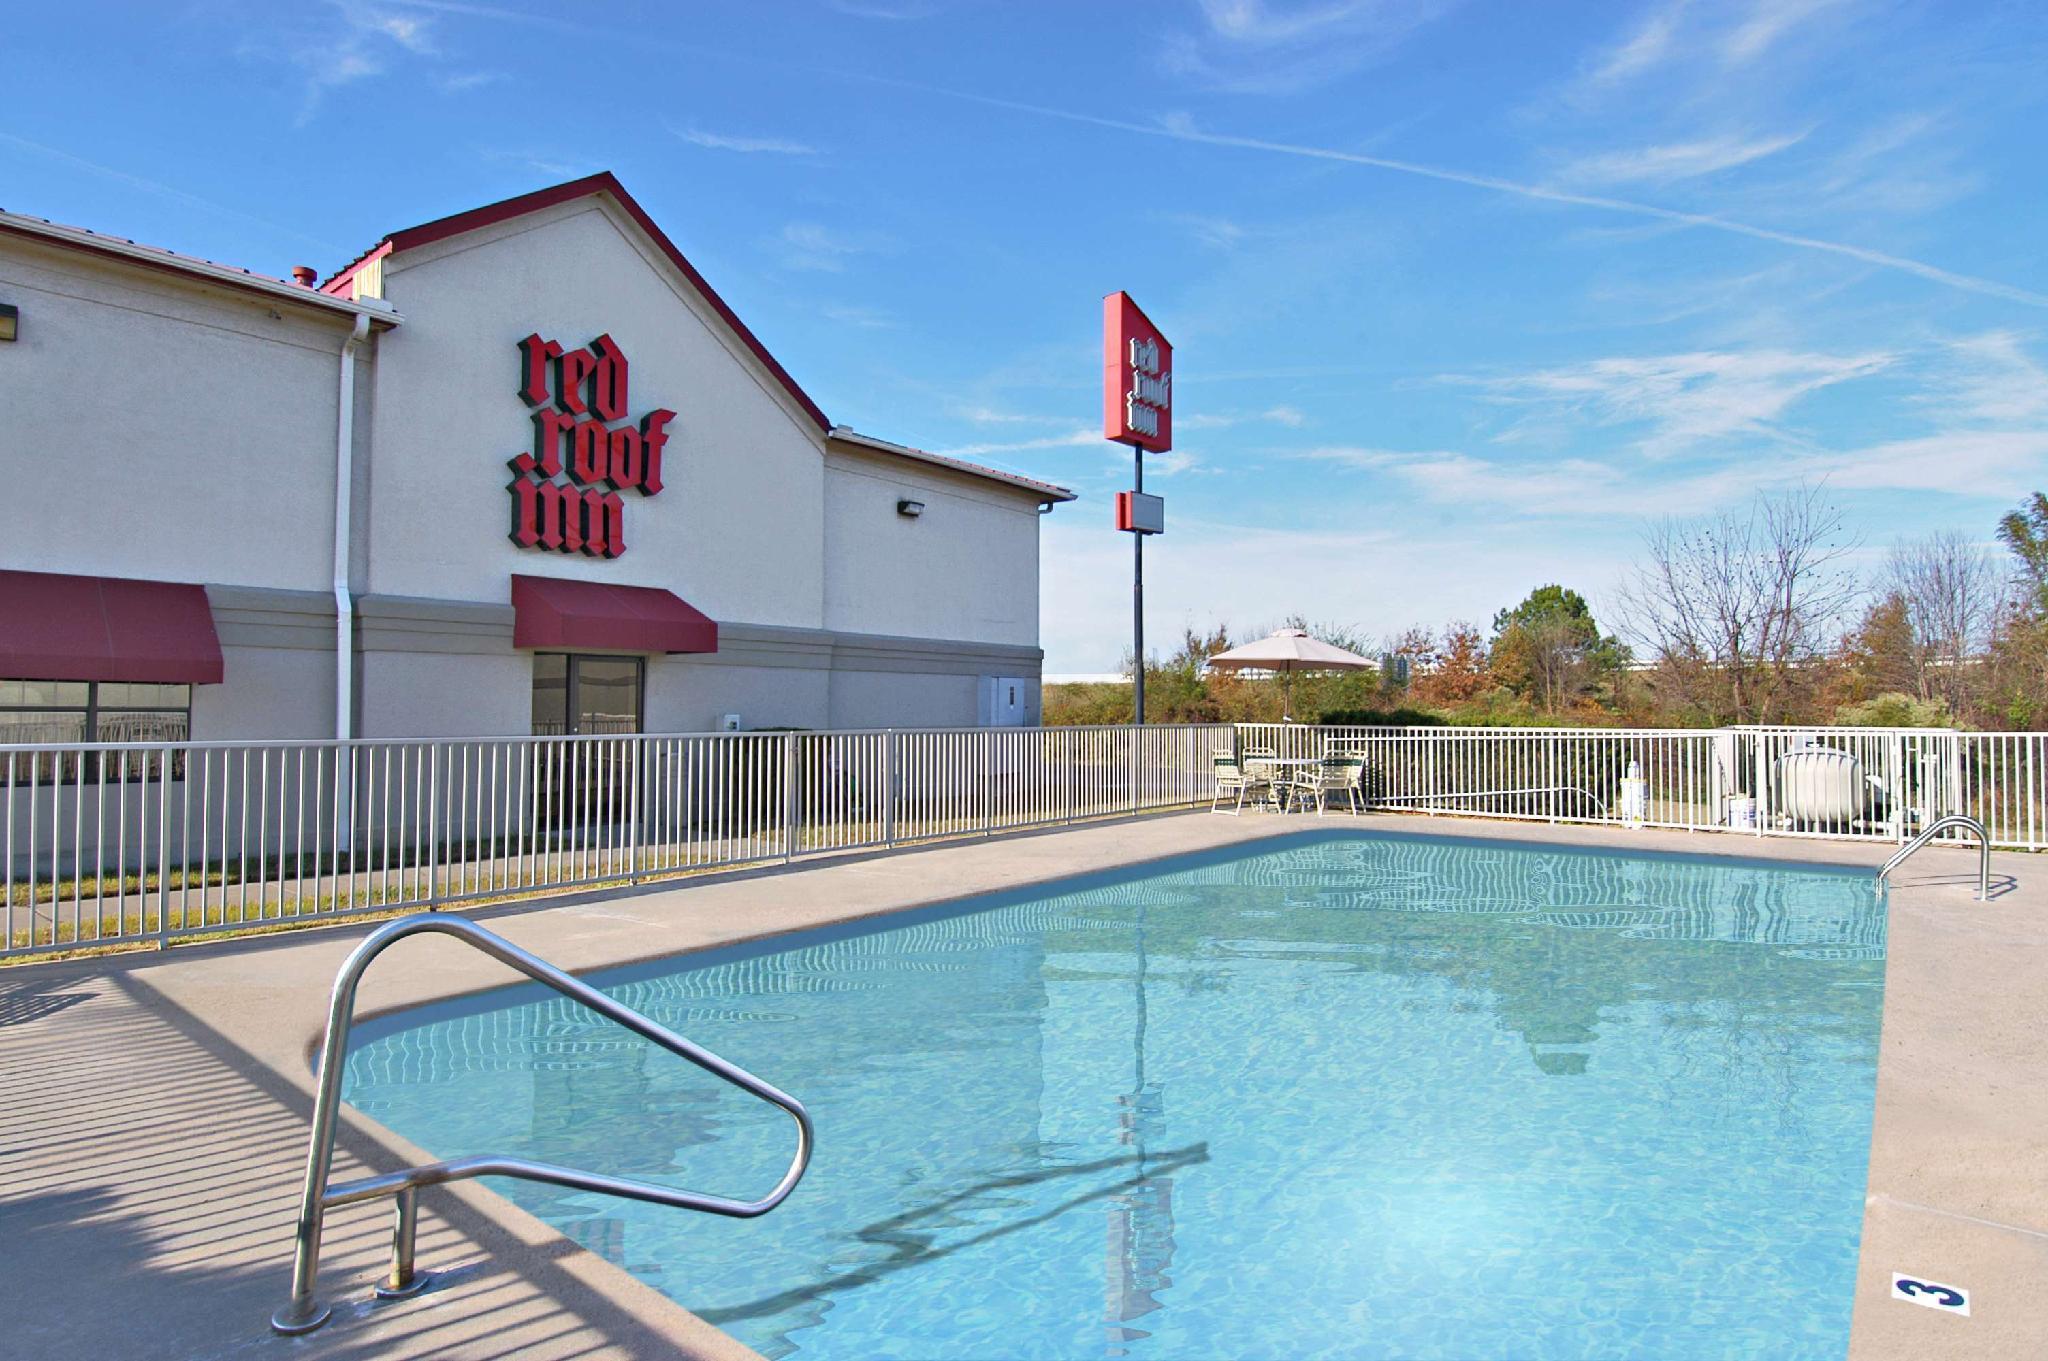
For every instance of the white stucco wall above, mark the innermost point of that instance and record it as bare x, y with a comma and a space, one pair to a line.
885, 699
158, 429
687, 695
966, 569
737, 530
266, 694
438, 694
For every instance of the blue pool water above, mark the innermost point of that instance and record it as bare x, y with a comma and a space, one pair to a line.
1342, 1095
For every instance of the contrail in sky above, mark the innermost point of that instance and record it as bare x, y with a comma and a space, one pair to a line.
1185, 133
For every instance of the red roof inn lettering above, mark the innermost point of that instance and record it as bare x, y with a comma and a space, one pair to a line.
577, 395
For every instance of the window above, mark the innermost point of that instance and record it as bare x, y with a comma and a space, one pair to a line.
576, 695
63, 712
66, 713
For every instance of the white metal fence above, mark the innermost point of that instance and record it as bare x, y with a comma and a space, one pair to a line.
140, 842
111, 843
1879, 784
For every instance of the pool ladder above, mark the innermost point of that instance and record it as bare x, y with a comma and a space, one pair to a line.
304, 1312
1928, 834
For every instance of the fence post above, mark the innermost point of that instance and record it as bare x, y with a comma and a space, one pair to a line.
1070, 762
1898, 787
1758, 741
889, 778
163, 854
638, 747
788, 796
988, 781
1550, 775
433, 820
1955, 802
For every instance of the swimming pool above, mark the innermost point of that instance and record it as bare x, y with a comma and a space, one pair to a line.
1335, 1095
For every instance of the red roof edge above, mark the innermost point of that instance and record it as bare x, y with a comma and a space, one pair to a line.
603, 182
338, 285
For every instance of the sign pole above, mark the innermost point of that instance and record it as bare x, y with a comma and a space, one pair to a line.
1137, 409
1138, 600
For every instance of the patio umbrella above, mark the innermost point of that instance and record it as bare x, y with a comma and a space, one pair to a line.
1289, 651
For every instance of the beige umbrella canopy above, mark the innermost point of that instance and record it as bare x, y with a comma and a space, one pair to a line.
1289, 651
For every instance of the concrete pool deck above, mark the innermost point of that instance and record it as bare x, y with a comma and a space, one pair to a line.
154, 1108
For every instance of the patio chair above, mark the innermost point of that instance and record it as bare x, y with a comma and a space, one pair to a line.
1343, 775
1232, 782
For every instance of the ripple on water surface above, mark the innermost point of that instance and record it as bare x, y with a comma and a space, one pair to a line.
1346, 1095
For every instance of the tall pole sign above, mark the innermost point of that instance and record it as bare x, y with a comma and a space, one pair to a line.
1137, 409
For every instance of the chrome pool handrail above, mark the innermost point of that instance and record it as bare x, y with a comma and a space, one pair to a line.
303, 1313
1928, 834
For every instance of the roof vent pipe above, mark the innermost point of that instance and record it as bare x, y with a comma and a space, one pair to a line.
304, 275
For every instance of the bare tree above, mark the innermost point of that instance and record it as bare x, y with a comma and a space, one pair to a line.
1953, 591
1735, 605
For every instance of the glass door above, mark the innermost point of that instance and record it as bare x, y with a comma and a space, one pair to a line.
585, 785
583, 696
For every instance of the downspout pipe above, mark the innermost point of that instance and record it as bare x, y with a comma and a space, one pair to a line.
344, 487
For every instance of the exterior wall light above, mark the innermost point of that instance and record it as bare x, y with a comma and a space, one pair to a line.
910, 510
10, 321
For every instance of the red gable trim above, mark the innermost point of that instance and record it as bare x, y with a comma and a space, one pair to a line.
338, 285
604, 182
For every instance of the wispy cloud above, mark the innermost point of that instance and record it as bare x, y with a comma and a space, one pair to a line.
1670, 162
1081, 437
863, 318
1990, 379
891, 13
544, 161
1649, 44
1685, 401
1219, 232
1225, 420
988, 415
158, 188
814, 246
2001, 464
1767, 22
1252, 47
1680, 32
722, 141
357, 42
462, 82
1183, 130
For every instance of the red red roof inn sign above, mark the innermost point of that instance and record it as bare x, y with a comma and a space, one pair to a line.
1137, 377
579, 397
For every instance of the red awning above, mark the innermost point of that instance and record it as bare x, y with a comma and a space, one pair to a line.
550, 612
59, 627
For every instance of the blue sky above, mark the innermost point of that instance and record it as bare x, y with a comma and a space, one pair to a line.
1461, 294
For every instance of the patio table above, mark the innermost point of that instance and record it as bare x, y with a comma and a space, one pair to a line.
1281, 769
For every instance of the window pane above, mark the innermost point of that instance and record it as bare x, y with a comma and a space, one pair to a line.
607, 694
56, 694
42, 727
143, 695
550, 694
142, 726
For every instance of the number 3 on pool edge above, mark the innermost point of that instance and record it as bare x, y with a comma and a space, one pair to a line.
1939, 1295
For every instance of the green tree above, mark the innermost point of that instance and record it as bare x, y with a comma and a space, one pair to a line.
1883, 653
2025, 532
2016, 671
1549, 648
